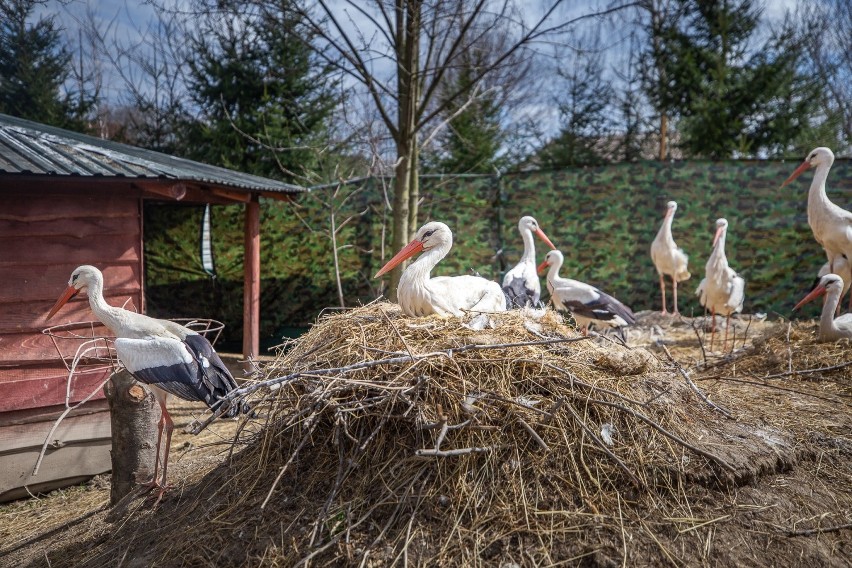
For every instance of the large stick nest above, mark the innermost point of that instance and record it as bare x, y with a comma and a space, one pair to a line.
482, 435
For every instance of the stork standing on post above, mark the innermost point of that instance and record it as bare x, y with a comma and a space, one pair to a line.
721, 290
420, 295
830, 328
521, 284
167, 356
668, 258
831, 225
587, 304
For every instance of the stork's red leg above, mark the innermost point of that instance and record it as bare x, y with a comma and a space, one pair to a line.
674, 295
727, 325
169, 426
712, 327
663, 292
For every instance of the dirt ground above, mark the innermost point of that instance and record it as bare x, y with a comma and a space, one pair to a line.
795, 509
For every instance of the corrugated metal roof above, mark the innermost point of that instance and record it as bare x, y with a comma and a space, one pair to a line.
31, 148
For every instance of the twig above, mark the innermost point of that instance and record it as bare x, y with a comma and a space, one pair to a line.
770, 386
693, 386
808, 371
700, 341
312, 424
532, 433
821, 530
430, 453
602, 446
789, 349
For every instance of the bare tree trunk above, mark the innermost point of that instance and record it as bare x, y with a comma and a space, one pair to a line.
133, 418
664, 135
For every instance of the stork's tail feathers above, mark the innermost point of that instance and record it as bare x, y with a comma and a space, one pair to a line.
685, 275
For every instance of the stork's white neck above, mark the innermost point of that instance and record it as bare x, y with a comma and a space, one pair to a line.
665, 231
816, 194
529, 246
553, 272
826, 320
110, 316
717, 259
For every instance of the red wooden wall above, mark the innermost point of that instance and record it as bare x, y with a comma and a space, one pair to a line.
44, 235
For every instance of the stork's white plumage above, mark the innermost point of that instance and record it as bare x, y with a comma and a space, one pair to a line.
167, 356
669, 259
587, 304
420, 295
831, 225
721, 291
830, 328
521, 284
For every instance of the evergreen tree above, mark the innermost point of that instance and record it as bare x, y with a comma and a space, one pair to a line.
473, 138
584, 112
734, 100
265, 101
34, 66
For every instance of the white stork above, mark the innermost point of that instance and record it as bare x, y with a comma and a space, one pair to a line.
831, 225
668, 258
166, 356
830, 328
721, 291
420, 295
521, 284
586, 303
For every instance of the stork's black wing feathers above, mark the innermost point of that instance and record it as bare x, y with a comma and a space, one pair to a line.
213, 377
518, 295
605, 308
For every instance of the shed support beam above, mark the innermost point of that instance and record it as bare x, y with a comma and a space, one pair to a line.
251, 288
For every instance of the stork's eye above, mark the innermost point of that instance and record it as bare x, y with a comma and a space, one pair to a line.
74, 277
428, 234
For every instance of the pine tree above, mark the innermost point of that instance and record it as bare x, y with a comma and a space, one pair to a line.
734, 99
585, 122
34, 66
264, 99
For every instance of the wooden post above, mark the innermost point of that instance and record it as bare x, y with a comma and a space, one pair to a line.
251, 289
133, 418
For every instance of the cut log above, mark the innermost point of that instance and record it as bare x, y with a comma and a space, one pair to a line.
134, 414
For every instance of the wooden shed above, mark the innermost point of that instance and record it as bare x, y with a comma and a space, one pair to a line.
68, 199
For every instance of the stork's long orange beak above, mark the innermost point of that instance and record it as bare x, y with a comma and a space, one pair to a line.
69, 293
407, 252
799, 171
717, 235
542, 267
543, 237
815, 293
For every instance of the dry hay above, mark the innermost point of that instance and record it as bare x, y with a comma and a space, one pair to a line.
394, 440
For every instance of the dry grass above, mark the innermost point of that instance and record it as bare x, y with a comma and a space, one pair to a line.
393, 440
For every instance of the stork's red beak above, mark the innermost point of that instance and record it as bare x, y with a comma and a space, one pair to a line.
815, 293
407, 252
799, 171
69, 293
542, 267
717, 235
543, 237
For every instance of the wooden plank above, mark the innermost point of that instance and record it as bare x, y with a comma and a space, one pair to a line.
78, 227
29, 317
50, 413
37, 348
49, 391
46, 281
251, 290
72, 430
66, 466
54, 206
22, 251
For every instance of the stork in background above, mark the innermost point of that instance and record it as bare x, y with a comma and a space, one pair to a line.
167, 356
420, 295
587, 304
521, 285
830, 328
831, 225
721, 291
669, 259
